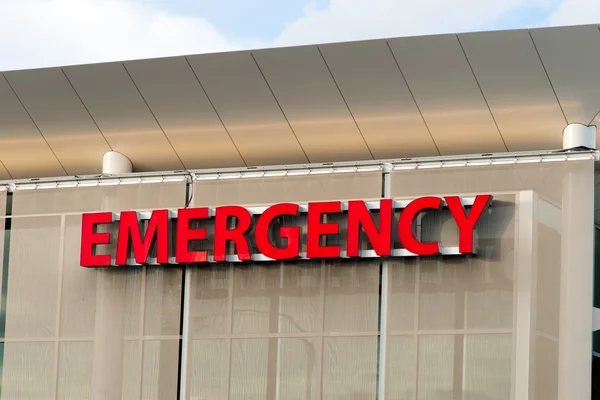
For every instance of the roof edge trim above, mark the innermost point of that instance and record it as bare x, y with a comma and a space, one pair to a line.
301, 169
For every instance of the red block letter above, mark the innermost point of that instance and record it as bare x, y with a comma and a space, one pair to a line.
291, 233
316, 229
236, 235
89, 238
359, 215
129, 227
467, 224
185, 235
405, 226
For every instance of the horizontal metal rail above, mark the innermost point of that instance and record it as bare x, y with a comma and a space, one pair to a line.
301, 169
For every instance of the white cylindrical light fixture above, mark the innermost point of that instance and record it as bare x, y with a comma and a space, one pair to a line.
116, 163
579, 136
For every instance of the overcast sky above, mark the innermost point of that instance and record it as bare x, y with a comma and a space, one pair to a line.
42, 33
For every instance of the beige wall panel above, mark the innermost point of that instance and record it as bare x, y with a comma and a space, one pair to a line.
208, 369
79, 285
250, 377
301, 303
132, 373
34, 270
75, 370
377, 95
209, 313
401, 366
24, 152
447, 93
35, 358
516, 88
311, 101
163, 301
160, 369
350, 367
298, 189
246, 105
298, 376
545, 382
541, 177
180, 105
62, 118
145, 196
122, 115
436, 358
402, 294
488, 368
353, 305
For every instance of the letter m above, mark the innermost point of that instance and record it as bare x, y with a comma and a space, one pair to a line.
130, 237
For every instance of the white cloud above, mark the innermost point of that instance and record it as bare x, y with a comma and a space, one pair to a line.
573, 12
359, 19
36, 33
41, 33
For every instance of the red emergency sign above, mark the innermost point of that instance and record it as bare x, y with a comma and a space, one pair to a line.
251, 229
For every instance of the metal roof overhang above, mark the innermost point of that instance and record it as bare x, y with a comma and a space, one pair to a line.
485, 92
